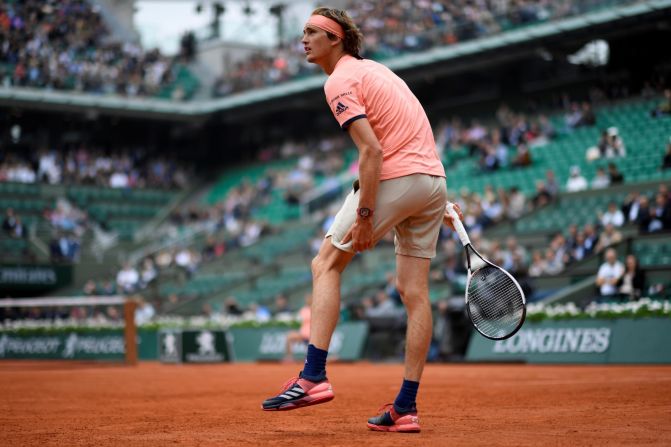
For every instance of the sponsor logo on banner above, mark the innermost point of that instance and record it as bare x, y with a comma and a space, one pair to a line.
556, 340
10, 346
93, 345
274, 343
69, 347
27, 275
207, 350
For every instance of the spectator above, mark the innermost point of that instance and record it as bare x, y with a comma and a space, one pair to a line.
615, 175
573, 116
609, 236
598, 151
144, 312
587, 117
282, 310
516, 204
542, 196
537, 266
600, 180
612, 216
576, 182
148, 273
609, 274
630, 206
664, 107
522, 157
553, 263
632, 281
591, 239
128, 279
232, 307
660, 214
644, 214
551, 184
383, 306
10, 222
615, 146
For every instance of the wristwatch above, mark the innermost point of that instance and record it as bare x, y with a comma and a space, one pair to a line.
364, 213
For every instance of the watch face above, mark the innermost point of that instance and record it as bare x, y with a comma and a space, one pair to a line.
364, 212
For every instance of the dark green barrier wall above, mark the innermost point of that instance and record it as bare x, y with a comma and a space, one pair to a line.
250, 344
644, 340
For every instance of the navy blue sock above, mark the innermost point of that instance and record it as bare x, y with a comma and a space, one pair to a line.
405, 401
315, 364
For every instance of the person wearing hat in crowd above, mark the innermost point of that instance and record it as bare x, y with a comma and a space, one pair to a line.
576, 182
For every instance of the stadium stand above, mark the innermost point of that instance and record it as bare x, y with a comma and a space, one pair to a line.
64, 45
395, 28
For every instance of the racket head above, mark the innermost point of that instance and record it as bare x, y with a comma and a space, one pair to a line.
495, 301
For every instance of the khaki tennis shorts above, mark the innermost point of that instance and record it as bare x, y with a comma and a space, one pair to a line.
413, 206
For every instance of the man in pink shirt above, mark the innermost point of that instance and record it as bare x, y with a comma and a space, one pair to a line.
401, 186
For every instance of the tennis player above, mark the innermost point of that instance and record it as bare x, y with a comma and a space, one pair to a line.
401, 186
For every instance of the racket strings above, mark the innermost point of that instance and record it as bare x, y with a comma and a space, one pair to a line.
495, 302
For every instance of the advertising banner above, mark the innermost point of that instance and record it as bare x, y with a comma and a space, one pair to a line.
624, 340
76, 345
251, 344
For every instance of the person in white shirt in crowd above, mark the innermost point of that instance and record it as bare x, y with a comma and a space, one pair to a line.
612, 216
553, 264
119, 179
576, 182
128, 278
144, 312
601, 179
609, 274
537, 266
615, 147
517, 203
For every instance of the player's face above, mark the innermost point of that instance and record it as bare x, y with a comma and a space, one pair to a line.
315, 43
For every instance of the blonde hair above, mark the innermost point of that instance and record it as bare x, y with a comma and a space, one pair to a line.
353, 37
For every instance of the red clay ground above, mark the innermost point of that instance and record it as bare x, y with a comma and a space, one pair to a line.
73, 404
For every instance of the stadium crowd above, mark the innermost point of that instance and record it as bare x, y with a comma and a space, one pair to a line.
88, 165
64, 45
392, 28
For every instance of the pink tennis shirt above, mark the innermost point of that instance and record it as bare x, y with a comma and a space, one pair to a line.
361, 88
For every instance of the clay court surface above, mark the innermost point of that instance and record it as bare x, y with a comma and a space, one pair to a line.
73, 404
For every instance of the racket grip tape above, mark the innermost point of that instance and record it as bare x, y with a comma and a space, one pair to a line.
458, 226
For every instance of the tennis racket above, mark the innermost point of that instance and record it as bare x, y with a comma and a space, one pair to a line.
494, 300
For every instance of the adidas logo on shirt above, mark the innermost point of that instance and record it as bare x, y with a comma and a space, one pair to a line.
340, 108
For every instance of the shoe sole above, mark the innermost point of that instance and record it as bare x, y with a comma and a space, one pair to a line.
319, 398
406, 428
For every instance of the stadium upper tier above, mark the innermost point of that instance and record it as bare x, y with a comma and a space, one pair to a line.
65, 45
393, 28
433, 40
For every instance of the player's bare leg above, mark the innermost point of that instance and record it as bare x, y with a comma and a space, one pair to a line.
312, 387
413, 286
327, 268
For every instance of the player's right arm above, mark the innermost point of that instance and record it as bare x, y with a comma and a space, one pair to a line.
370, 166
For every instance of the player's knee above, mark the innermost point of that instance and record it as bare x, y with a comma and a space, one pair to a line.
323, 264
412, 294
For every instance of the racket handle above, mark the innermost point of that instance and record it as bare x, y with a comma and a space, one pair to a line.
458, 226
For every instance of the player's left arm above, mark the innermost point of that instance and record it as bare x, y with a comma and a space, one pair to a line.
370, 166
